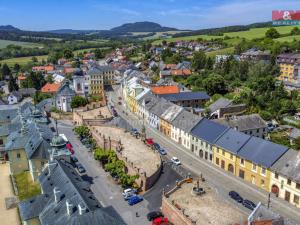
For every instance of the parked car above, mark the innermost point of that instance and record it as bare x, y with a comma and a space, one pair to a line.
176, 161
80, 167
149, 142
153, 215
134, 132
74, 159
234, 195
162, 151
156, 146
160, 221
249, 204
128, 196
129, 190
135, 199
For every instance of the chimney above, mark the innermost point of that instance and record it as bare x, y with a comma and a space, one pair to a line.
56, 193
81, 208
69, 208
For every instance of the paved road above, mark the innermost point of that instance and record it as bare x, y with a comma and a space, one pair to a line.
109, 193
221, 180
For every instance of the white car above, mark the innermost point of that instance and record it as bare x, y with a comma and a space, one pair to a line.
129, 191
176, 161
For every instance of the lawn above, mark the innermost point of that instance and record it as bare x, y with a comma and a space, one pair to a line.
288, 38
223, 51
26, 187
22, 60
249, 34
4, 43
280, 137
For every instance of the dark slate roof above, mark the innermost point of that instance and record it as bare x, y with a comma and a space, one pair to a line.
184, 96
160, 107
220, 103
232, 140
244, 123
186, 121
7, 115
262, 152
65, 90
17, 94
97, 70
46, 104
62, 176
289, 165
208, 131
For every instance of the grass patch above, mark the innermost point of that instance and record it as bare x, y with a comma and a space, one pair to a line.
280, 137
288, 38
26, 187
22, 60
223, 51
5, 43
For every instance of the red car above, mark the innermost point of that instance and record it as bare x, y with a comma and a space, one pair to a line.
150, 142
160, 221
70, 147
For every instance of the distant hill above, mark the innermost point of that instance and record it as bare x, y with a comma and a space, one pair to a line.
8, 28
142, 27
71, 31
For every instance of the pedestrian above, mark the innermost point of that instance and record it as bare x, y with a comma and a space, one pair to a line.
136, 214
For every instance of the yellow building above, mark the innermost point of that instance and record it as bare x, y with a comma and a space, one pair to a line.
285, 177
226, 149
289, 65
255, 159
100, 76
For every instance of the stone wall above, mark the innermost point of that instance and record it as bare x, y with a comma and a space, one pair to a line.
61, 116
144, 181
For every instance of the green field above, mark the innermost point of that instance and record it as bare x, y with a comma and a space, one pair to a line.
223, 51
4, 43
250, 34
22, 60
289, 38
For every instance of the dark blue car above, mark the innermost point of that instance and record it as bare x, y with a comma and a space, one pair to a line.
234, 195
156, 146
135, 199
249, 204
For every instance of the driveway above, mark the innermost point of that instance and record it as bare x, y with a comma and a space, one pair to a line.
10, 216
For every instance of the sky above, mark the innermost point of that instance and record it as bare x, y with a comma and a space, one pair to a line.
43, 15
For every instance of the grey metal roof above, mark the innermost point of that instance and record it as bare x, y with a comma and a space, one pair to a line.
160, 107
262, 152
186, 121
208, 131
97, 70
184, 96
65, 90
289, 165
244, 123
220, 103
62, 176
171, 113
232, 140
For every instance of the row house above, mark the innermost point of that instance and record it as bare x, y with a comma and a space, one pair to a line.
167, 118
156, 112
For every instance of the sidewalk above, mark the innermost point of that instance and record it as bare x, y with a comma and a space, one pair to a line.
7, 217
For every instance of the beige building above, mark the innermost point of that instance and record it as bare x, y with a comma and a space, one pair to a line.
100, 76
285, 177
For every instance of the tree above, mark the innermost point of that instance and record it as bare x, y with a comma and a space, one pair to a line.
209, 63
295, 31
5, 71
12, 84
167, 53
39, 96
99, 54
34, 80
17, 68
78, 101
272, 33
34, 59
82, 131
68, 54
297, 143
215, 84
199, 60
49, 79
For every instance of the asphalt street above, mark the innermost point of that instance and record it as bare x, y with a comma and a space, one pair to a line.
217, 178
109, 193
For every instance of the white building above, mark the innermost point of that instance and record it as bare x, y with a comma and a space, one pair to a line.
64, 97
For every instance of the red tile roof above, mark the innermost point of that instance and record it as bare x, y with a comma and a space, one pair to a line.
183, 72
50, 88
172, 89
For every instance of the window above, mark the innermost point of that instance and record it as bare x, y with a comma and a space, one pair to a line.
241, 174
263, 171
296, 199
18, 155
289, 182
217, 150
297, 185
242, 162
217, 161
276, 175
231, 156
223, 152
257, 131
253, 167
262, 182
1, 142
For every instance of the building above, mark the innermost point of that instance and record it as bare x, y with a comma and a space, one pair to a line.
167, 118
14, 97
256, 55
156, 112
289, 68
187, 99
80, 83
182, 126
44, 69
64, 97
226, 148
49, 88
203, 137
249, 124
285, 177
66, 199
225, 108
254, 161
166, 89
99, 77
